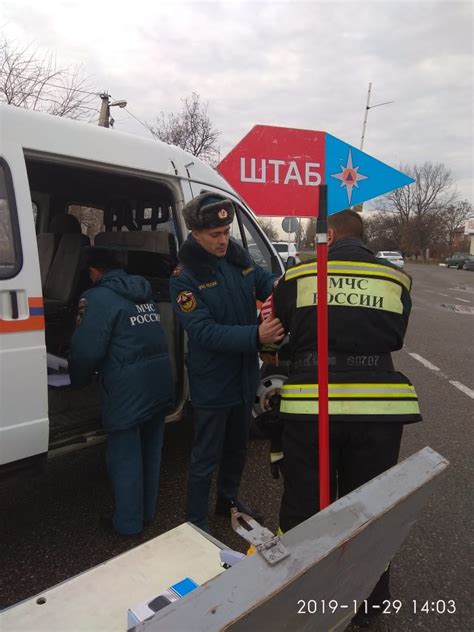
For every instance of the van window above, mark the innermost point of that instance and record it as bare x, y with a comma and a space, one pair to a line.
91, 219
257, 248
34, 207
10, 248
102, 201
248, 235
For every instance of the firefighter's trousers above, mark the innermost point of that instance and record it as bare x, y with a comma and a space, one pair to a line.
359, 451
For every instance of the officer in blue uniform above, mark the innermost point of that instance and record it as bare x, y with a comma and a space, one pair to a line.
118, 335
214, 291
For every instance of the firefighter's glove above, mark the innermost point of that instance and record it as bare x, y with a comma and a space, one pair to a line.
276, 462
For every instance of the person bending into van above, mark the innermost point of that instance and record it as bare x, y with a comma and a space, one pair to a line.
118, 335
214, 291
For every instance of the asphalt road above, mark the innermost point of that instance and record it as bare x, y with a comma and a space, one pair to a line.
53, 522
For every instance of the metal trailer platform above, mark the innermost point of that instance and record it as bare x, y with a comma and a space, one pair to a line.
338, 554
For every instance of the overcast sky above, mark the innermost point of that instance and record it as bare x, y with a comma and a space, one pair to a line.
290, 63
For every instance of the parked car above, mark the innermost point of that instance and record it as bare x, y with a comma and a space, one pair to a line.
469, 263
391, 255
288, 252
457, 260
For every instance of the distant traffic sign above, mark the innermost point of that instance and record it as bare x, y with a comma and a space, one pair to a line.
278, 170
290, 224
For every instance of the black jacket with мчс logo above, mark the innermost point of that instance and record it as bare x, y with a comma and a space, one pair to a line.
368, 309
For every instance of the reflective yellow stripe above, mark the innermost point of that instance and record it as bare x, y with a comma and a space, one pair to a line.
275, 456
350, 291
360, 391
362, 267
351, 267
310, 407
303, 268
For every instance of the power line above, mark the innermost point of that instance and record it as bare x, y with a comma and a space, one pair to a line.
78, 106
95, 94
137, 119
48, 83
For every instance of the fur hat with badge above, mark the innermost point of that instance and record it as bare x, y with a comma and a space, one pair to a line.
208, 211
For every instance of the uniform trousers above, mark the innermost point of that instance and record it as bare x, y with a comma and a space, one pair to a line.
220, 439
359, 451
133, 459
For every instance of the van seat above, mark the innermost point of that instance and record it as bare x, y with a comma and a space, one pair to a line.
145, 241
152, 254
61, 283
46, 245
65, 224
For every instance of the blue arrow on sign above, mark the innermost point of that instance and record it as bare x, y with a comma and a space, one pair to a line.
353, 177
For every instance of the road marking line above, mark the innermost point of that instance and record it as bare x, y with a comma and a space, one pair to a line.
466, 390
443, 294
437, 371
461, 289
425, 362
430, 291
464, 300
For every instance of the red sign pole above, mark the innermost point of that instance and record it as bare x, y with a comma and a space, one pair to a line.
323, 359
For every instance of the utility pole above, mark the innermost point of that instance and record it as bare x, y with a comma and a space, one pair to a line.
359, 207
364, 124
367, 108
104, 116
104, 110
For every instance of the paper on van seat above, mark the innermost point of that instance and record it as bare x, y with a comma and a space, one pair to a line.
56, 362
59, 379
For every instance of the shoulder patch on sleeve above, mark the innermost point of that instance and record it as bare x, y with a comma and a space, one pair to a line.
247, 270
81, 308
177, 271
186, 301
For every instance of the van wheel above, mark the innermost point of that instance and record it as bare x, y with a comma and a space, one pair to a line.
267, 398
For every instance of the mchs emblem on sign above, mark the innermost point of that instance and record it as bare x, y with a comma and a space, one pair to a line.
186, 301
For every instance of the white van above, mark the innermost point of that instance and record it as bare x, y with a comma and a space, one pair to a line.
288, 252
63, 185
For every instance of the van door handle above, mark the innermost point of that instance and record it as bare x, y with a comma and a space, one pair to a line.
14, 303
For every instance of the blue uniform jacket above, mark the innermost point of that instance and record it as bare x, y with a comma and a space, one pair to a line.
215, 300
119, 336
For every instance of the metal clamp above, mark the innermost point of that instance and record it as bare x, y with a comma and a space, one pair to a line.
267, 543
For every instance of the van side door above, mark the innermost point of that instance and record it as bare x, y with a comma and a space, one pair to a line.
23, 373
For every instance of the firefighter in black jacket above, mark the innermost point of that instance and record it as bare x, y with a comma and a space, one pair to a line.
369, 305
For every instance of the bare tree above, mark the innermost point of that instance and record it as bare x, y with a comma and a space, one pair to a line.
310, 234
453, 219
191, 129
382, 231
419, 205
268, 228
33, 81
